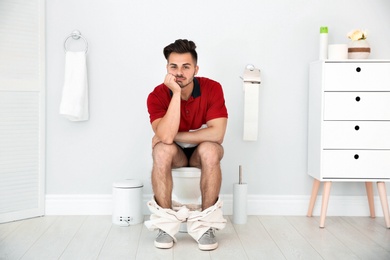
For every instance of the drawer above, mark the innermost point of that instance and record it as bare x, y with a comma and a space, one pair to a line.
356, 106
356, 135
357, 76
363, 164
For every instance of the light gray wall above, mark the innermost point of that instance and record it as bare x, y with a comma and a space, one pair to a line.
125, 63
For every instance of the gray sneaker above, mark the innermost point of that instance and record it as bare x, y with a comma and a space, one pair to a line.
208, 241
163, 240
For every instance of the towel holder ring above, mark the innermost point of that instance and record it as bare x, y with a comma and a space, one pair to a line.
76, 35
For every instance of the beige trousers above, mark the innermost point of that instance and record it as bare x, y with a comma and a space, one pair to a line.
198, 222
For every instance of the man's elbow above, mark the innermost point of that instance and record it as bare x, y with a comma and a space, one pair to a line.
219, 139
167, 139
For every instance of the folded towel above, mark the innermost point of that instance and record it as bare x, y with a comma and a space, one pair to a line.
74, 102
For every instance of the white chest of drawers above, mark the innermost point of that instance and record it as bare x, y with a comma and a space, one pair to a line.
349, 128
349, 120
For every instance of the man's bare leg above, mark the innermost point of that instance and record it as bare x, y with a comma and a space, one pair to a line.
165, 156
207, 156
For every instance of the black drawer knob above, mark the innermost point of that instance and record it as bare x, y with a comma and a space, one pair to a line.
357, 98
356, 156
357, 127
358, 69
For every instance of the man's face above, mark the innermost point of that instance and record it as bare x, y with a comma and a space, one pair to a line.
182, 66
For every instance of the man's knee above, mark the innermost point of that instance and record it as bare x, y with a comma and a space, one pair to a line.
164, 152
210, 152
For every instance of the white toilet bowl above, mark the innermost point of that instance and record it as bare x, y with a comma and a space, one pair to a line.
186, 185
186, 189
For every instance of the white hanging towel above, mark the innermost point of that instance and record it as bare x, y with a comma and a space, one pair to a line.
74, 102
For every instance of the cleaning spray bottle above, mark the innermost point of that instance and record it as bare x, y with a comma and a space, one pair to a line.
323, 43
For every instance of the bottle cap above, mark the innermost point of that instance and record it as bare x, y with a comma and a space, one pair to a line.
324, 29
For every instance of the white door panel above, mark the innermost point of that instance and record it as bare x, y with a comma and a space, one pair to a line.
22, 109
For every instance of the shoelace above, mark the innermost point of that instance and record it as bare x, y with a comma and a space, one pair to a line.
162, 232
210, 233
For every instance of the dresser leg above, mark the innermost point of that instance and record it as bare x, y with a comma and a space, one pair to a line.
325, 200
370, 197
313, 198
385, 205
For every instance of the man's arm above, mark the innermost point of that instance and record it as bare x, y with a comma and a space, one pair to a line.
165, 128
215, 132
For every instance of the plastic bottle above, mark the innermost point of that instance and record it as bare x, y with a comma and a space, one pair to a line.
323, 43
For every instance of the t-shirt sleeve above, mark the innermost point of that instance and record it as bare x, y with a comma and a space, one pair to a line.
216, 103
157, 107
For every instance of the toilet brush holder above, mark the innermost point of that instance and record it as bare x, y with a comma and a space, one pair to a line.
240, 191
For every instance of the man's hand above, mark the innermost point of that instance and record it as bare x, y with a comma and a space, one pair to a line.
170, 82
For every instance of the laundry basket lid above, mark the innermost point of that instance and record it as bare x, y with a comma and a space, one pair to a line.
128, 184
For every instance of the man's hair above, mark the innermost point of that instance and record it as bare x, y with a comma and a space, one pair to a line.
181, 46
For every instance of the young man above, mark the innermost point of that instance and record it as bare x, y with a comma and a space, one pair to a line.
189, 117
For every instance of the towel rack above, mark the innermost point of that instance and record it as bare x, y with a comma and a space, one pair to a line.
76, 35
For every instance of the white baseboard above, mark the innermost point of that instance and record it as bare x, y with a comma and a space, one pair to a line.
101, 204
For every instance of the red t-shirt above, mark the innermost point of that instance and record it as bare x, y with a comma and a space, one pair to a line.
206, 103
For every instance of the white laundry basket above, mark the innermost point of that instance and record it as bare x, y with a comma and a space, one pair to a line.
127, 202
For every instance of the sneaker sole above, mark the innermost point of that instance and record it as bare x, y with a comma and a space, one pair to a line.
163, 245
208, 247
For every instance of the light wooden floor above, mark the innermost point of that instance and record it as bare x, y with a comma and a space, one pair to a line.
263, 237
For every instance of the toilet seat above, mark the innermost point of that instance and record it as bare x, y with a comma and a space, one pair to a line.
186, 172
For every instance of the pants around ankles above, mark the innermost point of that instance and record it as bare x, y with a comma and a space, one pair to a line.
198, 222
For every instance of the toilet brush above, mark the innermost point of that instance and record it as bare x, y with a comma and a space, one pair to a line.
239, 174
